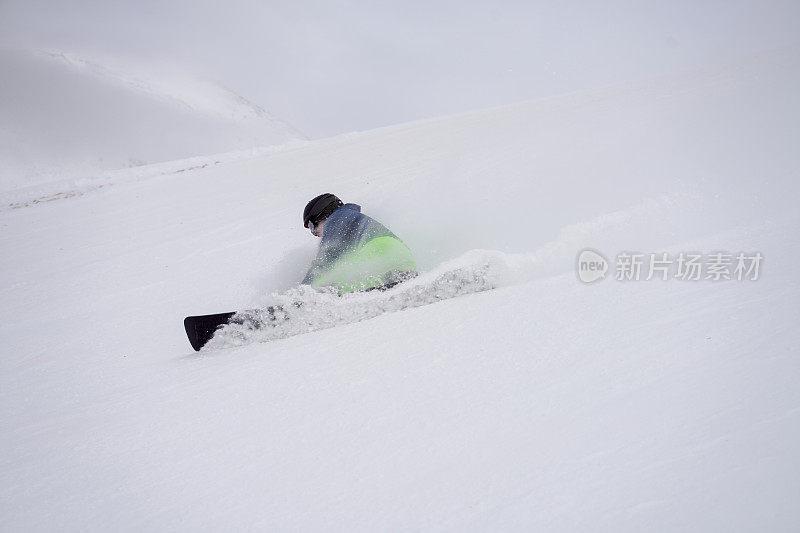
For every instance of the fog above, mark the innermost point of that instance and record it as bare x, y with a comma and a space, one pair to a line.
328, 68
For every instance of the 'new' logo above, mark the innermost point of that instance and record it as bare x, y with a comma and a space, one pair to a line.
591, 266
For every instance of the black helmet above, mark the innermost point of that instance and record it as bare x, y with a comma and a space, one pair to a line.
320, 207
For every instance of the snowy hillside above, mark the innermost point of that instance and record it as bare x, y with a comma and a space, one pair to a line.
540, 404
63, 115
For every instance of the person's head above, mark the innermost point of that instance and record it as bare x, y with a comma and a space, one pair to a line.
317, 210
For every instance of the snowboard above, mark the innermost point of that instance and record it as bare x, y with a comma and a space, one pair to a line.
201, 328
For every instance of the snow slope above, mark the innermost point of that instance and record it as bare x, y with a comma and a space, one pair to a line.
543, 404
64, 115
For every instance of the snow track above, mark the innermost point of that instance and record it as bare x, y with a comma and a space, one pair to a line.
304, 309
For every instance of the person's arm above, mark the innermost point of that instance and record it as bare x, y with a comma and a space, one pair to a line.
319, 264
335, 242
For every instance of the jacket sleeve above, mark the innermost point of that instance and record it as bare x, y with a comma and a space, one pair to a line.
323, 261
333, 246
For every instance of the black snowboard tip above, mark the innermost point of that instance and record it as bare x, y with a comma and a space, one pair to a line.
200, 329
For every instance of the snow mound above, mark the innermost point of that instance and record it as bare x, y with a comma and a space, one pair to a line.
62, 116
203, 96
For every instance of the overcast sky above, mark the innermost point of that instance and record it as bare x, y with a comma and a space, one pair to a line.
334, 67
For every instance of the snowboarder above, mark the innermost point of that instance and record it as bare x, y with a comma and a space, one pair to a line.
356, 253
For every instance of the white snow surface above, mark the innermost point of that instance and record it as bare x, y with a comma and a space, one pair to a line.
63, 115
532, 402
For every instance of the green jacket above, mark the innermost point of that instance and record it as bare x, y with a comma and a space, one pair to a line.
358, 253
